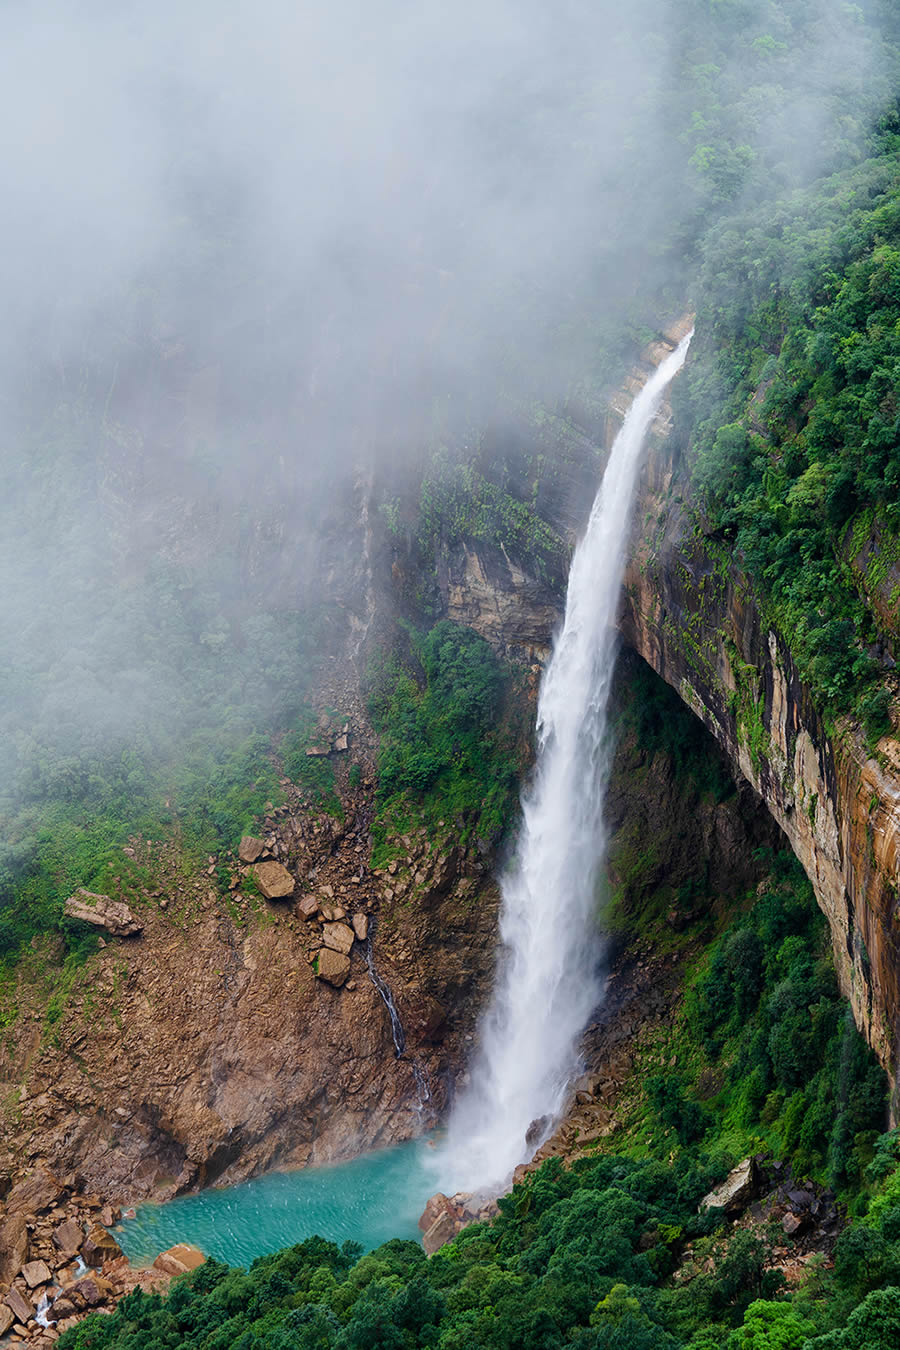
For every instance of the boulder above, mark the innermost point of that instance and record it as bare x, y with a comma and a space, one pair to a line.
250, 848
361, 926
436, 1206
7, 1317
93, 1289
735, 1191
444, 1228
35, 1273
332, 966
274, 880
35, 1194
64, 1307
68, 1237
308, 907
339, 937
19, 1306
103, 912
179, 1259
13, 1247
99, 1246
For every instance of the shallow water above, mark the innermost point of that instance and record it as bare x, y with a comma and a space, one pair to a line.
368, 1200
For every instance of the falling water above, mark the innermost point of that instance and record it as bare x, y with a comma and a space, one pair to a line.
398, 1035
548, 979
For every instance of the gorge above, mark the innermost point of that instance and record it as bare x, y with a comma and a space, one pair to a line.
449, 702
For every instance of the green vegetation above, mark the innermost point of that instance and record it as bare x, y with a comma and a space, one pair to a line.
200, 772
458, 502
585, 1256
797, 421
767, 1051
313, 773
446, 751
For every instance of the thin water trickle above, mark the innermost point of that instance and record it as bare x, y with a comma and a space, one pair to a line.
423, 1091
548, 976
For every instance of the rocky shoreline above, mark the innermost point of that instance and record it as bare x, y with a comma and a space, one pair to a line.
59, 1262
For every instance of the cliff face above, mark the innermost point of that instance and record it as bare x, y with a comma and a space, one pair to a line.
691, 614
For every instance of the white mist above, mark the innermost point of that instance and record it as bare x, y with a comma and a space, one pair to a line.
548, 977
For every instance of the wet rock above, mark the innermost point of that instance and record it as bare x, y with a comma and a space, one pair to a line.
339, 937
442, 1231
68, 1237
99, 1246
35, 1273
179, 1259
92, 1289
103, 912
250, 848
735, 1192
332, 966
64, 1307
437, 1205
274, 880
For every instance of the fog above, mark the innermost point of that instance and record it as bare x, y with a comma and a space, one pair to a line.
249, 248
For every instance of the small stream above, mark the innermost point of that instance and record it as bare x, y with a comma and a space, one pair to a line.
367, 1200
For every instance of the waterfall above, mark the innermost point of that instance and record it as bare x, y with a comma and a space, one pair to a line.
548, 978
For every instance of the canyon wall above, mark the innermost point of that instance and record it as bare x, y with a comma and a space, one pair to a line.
688, 610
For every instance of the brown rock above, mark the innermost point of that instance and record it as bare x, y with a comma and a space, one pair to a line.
338, 937
35, 1194
308, 907
19, 1306
7, 1317
361, 926
437, 1205
793, 1223
179, 1259
103, 912
99, 1246
13, 1247
332, 966
64, 1307
68, 1237
274, 880
92, 1288
250, 848
444, 1228
35, 1273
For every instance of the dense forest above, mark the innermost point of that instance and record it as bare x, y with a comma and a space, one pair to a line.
162, 673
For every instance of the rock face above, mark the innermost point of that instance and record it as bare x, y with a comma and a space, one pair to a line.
103, 912
690, 613
274, 880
